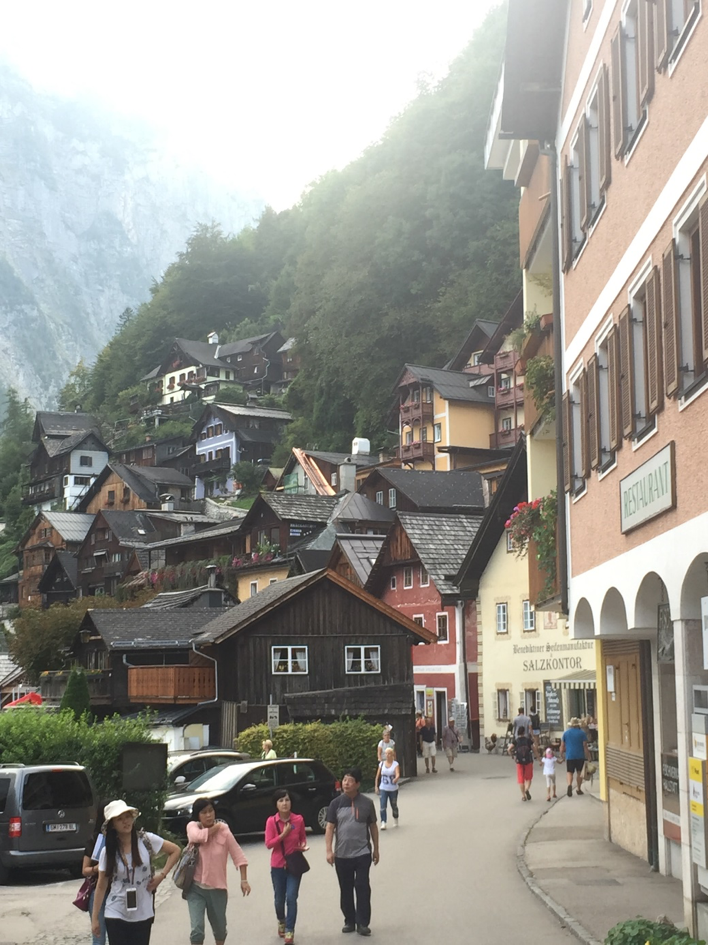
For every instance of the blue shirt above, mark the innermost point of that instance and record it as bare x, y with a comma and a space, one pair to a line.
574, 739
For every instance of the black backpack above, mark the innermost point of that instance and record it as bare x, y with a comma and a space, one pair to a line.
523, 751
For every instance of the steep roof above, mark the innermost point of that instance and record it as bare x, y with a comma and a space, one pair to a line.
140, 628
360, 460
476, 340
201, 352
427, 489
174, 600
213, 531
146, 480
241, 347
356, 507
237, 618
129, 526
239, 411
451, 385
307, 508
61, 423
441, 542
61, 561
56, 446
361, 551
72, 526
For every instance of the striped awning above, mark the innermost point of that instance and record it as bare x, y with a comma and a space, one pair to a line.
583, 679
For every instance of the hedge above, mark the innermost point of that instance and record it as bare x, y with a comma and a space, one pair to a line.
644, 932
340, 745
33, 736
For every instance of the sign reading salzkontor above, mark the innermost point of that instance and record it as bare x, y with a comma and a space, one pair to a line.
649, 490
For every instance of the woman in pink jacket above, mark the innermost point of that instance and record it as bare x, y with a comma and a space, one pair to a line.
208, 891
284, 833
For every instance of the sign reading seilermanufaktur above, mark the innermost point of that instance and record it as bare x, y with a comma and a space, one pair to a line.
649, 490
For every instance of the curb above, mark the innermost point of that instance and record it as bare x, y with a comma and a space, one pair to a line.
559, 911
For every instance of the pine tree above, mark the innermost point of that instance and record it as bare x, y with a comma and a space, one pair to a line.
76, 695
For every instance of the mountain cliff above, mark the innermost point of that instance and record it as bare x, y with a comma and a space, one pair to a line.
91, 213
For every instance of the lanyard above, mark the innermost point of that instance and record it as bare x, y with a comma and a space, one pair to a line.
130, 874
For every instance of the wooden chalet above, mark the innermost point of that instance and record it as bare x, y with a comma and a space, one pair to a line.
130, 488
256, 361
60, 582
409, 490
175, 452
49, 532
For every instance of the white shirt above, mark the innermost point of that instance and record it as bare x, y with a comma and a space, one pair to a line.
386, 782
138, 877
384, 745
549, 765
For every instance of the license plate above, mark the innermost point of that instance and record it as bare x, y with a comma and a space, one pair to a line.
60, 828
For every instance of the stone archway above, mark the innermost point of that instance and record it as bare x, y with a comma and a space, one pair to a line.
613, 614
583, 621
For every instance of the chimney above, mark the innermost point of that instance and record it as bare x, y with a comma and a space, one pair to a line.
360, 445
346, 476
167, 503
212, 338
211, 575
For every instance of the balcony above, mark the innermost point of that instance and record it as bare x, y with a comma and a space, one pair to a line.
36, 492
505, 360
416, 413
505, 438
509, 396
421, 449
221, 464
171, 684
52, 686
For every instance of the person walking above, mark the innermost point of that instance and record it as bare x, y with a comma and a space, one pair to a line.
125, 864
268, 752
351, 817
388, 775
521, 719
419, 726
535, 722
427, 735
386, 742
523, 750
548, 762
208, 892
284, 834
574, 750
89, 870
451, 743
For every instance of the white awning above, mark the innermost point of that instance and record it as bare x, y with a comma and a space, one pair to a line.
583, 679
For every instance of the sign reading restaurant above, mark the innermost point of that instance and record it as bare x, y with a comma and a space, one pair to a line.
649, 490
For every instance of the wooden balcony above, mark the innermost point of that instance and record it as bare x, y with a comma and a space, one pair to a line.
171, 684
508, 396
40, 492
221, 464
420, 450
505, 360
52, 686
505, 438
416, 413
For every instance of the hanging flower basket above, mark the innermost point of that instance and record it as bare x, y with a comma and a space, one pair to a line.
536, 521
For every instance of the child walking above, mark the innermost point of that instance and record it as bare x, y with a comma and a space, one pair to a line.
549, 769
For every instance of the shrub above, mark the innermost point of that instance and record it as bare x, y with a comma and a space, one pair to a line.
340, 745
35, 736
76, 698
644, 932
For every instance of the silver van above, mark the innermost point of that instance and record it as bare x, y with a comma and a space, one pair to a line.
47, 816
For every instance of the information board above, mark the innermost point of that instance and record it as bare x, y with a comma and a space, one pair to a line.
273, 717
458, 711
554, 705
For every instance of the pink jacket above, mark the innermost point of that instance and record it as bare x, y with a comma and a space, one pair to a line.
214, 852
295, 840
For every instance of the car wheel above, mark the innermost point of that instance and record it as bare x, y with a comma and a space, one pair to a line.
319, 820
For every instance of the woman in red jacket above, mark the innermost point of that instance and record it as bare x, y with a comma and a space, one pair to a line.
284, 833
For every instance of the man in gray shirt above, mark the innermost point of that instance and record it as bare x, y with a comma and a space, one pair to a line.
522, 719
352, 817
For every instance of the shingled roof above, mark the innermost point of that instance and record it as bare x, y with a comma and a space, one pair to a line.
306, 508
451, 385
140, 628
361, 551
442, 491
356, 507
56, 446
62, 423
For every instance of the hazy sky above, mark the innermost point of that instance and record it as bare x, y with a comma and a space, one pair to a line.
267, 96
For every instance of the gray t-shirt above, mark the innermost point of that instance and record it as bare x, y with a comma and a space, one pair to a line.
522, 720
351, 817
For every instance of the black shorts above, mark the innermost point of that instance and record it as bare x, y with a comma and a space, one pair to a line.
574, 764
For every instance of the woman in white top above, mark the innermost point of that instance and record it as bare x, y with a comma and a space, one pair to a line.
386, 742
387, 778
125, 863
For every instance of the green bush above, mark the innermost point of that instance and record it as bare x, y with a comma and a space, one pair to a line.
76, 696
340, 745
644, 932
35, 736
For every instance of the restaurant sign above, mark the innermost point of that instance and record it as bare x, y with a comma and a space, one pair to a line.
649, 490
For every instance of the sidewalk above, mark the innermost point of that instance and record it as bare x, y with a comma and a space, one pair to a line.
589, 883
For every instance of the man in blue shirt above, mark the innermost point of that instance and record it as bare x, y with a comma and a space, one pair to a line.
574, 751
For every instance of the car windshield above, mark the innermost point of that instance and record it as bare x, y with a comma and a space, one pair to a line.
220, 778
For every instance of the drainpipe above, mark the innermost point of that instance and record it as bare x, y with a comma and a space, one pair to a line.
216, 677
562, 560
462, 660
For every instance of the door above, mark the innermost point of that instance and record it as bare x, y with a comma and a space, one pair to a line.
249, 804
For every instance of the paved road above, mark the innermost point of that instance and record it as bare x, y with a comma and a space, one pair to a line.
447, 873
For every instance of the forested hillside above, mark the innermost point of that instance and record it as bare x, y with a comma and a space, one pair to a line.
387, 261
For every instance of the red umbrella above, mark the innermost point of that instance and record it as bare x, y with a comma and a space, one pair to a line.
32, 698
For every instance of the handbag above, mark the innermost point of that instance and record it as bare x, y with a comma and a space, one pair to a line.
84, 893
183, 876
296, 862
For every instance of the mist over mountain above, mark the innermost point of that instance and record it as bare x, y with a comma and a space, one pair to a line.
91, 213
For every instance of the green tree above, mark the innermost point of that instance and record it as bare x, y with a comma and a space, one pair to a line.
249, 476
78, 389
76, 696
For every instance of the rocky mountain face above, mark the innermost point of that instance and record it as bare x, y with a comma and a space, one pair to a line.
90, 214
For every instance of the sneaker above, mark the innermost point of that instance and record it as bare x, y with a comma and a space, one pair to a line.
383, 826
363, 930
349, 927
395, 823
570, 791
289, 938
281, 929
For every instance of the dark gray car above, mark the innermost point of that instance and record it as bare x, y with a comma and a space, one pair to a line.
47, 816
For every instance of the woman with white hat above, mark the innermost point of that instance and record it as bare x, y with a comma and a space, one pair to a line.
125, 864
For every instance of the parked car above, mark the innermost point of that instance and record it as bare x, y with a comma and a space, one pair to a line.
242, 794
47, 816
184, 766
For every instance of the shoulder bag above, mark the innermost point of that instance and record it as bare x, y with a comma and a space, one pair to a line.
84, 893
183, 876
296, 862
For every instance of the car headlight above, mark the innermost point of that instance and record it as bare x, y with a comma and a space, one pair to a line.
180, 812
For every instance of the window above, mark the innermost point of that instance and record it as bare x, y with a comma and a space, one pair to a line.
203, 435
685, 322
289, 659
476, 358
362, 659
273, 581
424, 434
379, 497
85, 460
210, 432
407, 578
392, 498
639, 335
587, 10
491, 392
239, 357
509, 543
227, 375
419, 619
575, 440
441, 627
437, 432
502, 704
673, 24
393, 582
632, 74
529, 616
603, 402
424, 577
502, 618
333, 479
255, 370
427, 395
212, 372
409, 437
416, 395
506, 424
218, 429
182, 378
254, 588
504, 382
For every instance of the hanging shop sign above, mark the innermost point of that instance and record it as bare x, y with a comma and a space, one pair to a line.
650, 490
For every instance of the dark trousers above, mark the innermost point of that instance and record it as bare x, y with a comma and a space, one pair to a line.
353, 875
121, 932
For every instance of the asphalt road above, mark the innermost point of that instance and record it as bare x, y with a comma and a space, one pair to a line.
448, 873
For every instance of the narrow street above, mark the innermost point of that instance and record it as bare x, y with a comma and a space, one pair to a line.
449, 872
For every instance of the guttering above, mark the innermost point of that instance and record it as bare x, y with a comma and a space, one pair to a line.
216, 677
